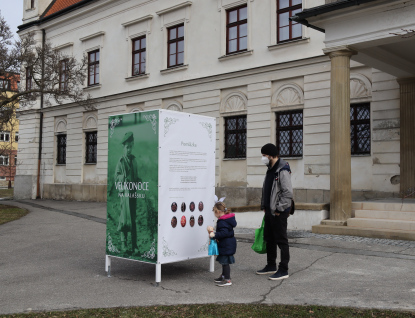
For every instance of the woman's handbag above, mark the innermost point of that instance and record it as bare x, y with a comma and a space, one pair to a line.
260, 246
213, 247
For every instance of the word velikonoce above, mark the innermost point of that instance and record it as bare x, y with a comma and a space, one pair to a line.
131, 186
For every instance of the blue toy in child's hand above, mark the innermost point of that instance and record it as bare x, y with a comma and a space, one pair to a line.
213, 247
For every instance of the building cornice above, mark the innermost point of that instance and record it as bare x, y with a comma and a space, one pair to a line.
203, 80
173, 8
145, 18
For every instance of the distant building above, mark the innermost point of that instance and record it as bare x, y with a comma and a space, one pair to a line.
9, 134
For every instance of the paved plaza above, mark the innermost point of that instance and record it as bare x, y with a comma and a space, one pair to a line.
54, 258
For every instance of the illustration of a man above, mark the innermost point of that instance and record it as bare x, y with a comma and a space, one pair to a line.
125, 172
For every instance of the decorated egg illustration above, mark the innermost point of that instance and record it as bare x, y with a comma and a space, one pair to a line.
174, 206
173, 222
192, 221
200, 206
200, 220
183, 221
192, 206
183, 207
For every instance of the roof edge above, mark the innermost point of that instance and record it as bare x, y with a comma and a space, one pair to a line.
329, 7
43, 19
325, 8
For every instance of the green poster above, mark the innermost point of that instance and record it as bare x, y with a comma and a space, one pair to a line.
132, 193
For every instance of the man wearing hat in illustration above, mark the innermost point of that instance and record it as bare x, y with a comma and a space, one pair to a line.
276, 202
127, 171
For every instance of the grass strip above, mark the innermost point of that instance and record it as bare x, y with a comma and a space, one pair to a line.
6, 193
223, 311
10, 213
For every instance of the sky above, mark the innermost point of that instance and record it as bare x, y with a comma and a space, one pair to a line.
12, 11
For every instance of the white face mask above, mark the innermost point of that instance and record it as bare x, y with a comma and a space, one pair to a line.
265, 160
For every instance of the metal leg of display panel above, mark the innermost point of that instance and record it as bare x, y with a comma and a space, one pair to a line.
108, 265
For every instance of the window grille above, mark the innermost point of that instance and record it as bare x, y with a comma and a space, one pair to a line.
61, 158
360, 128
235, 137
290, 133
91, 147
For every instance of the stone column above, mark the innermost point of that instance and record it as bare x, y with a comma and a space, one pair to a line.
340, 151
407, 144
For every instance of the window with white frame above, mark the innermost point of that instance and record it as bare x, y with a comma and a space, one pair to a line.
5, 84
4, 136
4, 160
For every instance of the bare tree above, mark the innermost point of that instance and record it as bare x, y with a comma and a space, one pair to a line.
45, 72
33, 71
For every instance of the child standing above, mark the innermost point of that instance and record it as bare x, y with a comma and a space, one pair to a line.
226, 241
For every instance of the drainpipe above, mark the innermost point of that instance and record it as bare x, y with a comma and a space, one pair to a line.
41, 117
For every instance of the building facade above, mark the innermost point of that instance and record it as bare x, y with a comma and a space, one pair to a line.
264, 77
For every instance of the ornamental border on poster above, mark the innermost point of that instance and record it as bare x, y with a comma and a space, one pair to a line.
151, 253
166, 250
153, 120
111, 246
114, 122
168, 121
208, 127
205, 246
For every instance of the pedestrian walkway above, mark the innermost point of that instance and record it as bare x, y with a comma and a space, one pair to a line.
53, 259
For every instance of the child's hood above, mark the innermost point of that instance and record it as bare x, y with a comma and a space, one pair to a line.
229, 218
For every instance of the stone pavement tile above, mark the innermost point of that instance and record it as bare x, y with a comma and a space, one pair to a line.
408, 251
349, 280
349, 244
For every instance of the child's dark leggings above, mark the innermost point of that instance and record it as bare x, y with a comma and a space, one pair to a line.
226, 271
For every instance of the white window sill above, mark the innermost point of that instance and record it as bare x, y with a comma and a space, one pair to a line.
175, 68
88, 88
287, 44
229, 159
90, 164
361, 155
137, 77
292, 158
234, 55
61, 164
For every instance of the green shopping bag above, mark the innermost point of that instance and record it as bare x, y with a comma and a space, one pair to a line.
260, 246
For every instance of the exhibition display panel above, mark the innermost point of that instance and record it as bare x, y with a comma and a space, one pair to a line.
161, 187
